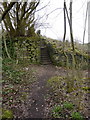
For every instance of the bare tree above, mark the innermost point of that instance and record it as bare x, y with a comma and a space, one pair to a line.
70, 24
64, 25
20, 18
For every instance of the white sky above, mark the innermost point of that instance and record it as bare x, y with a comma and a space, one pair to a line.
53, 24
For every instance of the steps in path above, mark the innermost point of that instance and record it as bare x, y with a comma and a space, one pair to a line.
45, 58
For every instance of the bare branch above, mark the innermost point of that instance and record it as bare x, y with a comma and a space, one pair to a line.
53, 11
43, 7
6, 11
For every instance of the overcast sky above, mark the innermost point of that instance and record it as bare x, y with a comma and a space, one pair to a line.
53, 23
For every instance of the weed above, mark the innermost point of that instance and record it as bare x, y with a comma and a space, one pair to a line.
68, 105
56, 111
56, 115
77, 116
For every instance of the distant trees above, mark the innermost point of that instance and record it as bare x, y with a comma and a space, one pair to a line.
70, 23
19, 21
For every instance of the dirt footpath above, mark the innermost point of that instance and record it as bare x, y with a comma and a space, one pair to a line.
35, 105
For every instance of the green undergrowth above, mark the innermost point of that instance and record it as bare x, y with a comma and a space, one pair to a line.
16, 81
64, 89
7, 114
69, 83
66, 111
59, 57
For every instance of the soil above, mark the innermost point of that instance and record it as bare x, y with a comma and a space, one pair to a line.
37, 105
34, 106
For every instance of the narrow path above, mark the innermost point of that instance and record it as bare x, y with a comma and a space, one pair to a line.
36, 101
39, 90
36, 105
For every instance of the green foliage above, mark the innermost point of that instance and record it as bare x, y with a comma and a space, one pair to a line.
56, 115
56, 111
61, 112
54, 82
7, 114
86, 88
13, 75
68, 105
59, 58
8, 89
77, 116
7, 61
28, 49
55, 79
10, 44
17, 79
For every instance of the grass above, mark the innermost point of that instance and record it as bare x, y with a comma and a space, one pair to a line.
55, 82
56, 111
59, 94
68, 105
59, 111
77, 116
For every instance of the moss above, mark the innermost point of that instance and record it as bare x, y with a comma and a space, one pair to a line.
28, 47
7, 114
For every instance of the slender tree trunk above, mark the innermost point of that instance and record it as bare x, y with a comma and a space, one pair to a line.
6, 48
71, 34
5, 45
85, 26
64, 28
